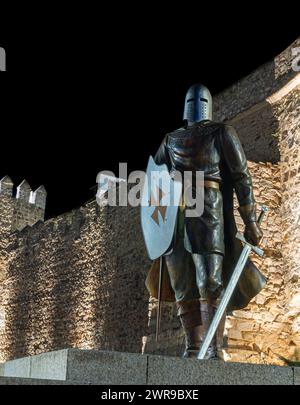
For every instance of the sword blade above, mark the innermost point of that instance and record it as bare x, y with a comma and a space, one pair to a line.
239, 267
158, 317
225, 300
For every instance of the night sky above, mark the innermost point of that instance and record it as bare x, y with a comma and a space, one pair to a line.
73, 105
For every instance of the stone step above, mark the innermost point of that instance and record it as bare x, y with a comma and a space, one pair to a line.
31, 381
75, 366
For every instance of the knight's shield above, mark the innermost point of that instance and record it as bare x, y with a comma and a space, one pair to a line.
159, 205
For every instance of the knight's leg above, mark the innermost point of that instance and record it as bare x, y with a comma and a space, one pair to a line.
205, 308
183, 280
214, 286
190, 318
209, 281
207, 314
220, 331
201, 274
214, 264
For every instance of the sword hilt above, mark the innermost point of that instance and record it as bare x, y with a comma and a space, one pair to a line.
256, 249
239, 236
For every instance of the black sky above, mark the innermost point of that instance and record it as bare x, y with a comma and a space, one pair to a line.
74, 105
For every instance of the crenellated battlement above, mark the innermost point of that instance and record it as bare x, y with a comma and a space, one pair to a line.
6, 186
23, 208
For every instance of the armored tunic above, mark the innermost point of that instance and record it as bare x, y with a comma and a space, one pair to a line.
208, 147
215, 149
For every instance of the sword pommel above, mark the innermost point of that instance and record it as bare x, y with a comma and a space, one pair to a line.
263, 211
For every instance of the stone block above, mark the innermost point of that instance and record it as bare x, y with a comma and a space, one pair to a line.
234, 334
30, 381
83, 366
51, 365
99, 367
16, 368
168, 371
297, 375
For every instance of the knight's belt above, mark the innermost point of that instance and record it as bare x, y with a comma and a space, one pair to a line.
211, 184
207, 183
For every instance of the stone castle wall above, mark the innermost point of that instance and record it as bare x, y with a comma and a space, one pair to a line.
78, 280
75, 281
271, 323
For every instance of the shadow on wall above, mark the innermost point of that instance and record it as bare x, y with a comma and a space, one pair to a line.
255, 121
22, 294
78, 281
247, 105
125, 320
258, 131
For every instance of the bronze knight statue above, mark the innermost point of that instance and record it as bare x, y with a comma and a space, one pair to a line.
204, 248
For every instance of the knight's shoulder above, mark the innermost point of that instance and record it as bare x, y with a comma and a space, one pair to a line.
223, 126
214, 124
208, 127
177, 132
229, 129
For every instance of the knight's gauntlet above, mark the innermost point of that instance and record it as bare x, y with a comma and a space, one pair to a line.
252, 233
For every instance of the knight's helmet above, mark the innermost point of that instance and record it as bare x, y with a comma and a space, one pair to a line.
198, 104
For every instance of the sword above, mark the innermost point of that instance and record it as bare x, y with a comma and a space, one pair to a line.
158, 317
230, 287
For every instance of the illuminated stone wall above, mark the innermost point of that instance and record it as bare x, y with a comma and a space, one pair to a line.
271, 324
74, 281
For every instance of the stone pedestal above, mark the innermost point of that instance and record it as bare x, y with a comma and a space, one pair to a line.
73, 366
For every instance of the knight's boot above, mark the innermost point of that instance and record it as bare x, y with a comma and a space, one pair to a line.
190, 317
208, 309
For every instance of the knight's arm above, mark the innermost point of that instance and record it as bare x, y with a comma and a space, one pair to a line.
240, 176
162, 155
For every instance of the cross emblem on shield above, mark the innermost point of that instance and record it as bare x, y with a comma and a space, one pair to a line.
156, 201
